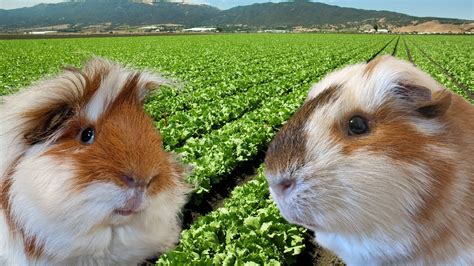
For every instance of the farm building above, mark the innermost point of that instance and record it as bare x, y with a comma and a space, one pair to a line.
200, 30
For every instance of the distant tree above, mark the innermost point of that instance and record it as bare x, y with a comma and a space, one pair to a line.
376, 27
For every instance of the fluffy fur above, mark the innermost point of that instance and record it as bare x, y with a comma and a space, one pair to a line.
403, 193
114, 201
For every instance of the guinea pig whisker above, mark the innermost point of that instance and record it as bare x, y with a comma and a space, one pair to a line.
353, 206
33, 168
355, 173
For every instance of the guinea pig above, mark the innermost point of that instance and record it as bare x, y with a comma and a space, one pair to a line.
378, 162
84, 179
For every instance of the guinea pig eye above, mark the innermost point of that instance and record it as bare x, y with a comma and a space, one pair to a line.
87, 135
358, 125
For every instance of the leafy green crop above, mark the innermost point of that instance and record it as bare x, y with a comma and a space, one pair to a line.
216, 154
233, 93
247, 230
454, 53
402, 52
202, 119
238, 233
456, 67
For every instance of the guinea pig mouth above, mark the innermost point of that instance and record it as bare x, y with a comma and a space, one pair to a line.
125, 212
132, 205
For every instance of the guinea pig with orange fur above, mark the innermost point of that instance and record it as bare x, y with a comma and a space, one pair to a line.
84, 178
378, 162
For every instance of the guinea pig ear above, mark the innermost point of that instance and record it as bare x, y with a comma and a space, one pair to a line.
149, 82
421, 99
44, 124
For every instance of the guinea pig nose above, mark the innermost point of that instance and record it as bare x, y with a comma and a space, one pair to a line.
286, 185
130, 181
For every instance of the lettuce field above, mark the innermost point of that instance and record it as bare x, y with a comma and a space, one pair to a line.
234, 93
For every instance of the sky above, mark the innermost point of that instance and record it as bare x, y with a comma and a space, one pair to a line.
463, 9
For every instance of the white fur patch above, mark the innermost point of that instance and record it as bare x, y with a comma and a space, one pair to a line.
111, 86
374, 249
365, 205
75, 227
79, 227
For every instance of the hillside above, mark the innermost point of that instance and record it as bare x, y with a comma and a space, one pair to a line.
436, 26
99, 12
277, 14
266, 15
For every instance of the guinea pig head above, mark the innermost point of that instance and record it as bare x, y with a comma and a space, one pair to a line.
92, 160
363, 152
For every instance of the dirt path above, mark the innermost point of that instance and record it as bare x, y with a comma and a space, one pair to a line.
396, 46
379, 51
408, 53
199, 205
446, 73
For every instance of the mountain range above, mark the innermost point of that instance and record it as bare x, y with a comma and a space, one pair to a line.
266, 15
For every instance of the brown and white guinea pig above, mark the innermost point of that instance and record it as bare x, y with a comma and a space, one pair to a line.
84, 177
378, 162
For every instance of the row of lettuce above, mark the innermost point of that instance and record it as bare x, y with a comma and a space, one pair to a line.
202, 110
453, 53
451, 67
218, 152
197, 60
233, 93
248, 229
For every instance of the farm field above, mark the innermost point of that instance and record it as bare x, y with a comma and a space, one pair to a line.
234, 92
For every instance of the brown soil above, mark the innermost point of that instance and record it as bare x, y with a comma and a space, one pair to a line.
319, 255
326, 258
199, 205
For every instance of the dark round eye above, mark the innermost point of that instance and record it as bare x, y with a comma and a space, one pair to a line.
87, 135
358, 125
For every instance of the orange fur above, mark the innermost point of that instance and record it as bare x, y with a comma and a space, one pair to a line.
400, 193
95, 176
118, 150
292, 133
